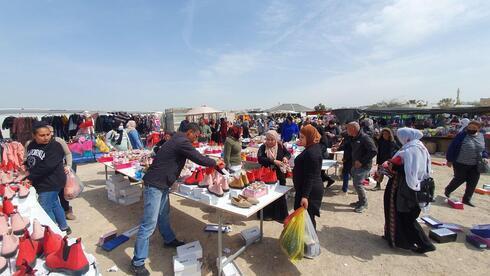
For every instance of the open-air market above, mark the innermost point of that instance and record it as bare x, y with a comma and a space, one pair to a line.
244, 138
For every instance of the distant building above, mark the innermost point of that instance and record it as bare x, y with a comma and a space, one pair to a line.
484, 101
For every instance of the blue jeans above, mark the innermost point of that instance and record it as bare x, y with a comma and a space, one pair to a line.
51, 204
358, 175
156, 211
345, 178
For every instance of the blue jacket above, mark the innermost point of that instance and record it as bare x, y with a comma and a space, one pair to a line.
455, 147
288, 130
135, 140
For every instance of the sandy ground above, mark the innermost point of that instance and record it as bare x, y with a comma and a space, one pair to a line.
351, 243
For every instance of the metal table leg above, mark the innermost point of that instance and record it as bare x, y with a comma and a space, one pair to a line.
261, 224
106, 177
220, 241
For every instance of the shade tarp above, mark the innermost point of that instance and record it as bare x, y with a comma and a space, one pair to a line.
289, 108
202, 110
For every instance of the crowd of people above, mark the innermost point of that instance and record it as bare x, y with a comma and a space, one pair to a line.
403, 157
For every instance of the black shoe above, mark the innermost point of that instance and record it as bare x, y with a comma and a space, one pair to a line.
174, 243
330, 182
361, 208
139, 270
447, 194
421, 250
467, 202
67, 230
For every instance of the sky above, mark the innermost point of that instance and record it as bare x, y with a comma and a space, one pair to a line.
238, 54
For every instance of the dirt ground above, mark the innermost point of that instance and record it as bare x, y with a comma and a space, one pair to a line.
351, 243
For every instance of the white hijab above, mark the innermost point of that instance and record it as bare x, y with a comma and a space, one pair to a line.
416, 158
464, 123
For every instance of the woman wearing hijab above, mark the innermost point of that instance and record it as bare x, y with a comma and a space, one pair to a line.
307, 173
463, 154
118, 139
223, 129
387, 147
134, 136
274, 155
409, 167
232, 150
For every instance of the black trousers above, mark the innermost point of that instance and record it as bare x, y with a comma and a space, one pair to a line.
464, 173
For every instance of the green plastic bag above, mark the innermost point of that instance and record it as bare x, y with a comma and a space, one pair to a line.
293, 235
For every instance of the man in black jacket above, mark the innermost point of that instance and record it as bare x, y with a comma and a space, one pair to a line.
363, 152
161, 175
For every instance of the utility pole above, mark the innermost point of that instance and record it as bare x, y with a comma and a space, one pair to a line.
458, 102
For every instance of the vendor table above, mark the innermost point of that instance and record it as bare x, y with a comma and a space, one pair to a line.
224, 205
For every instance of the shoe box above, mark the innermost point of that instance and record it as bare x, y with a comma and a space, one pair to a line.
482, 191
187, 266
209, 199
482, 230
186, 189
312, 249
234, 193
456, 204
486, 186
443, 235
129, 200
432, 222
230, 269
192, 248
477, 241
250, 235
198, 192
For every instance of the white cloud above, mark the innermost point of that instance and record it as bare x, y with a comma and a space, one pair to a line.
408, 22
275, 16
232, 64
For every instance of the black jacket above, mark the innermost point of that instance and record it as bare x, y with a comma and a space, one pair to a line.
307, 173
170, 161
386, 150
363, 149
45, 166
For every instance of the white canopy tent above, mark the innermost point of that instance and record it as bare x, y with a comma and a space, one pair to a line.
203, 111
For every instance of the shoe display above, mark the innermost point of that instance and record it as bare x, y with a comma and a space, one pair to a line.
37, 230
23, 191
51, 241
250, 176
258, 174
236, 182
252, 200
9, 193
2, 189
220, 180
10, 244
4, 226
69, 259
269, 176
19, 224
245, 180
216, 189
196, 177
207, 181
8, 208
240, 202
29, 250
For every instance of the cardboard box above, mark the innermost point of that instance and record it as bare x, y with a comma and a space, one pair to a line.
129, 200
198, 192
209, 199
192, 248
186, 189
456, 204
251, 235
443, 235
188, 265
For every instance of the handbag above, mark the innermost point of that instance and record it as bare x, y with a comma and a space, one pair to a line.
483, 166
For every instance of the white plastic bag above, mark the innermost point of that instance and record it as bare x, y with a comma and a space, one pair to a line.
73, 187
312, 244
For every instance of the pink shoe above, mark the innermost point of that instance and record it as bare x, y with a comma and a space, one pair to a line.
10, 244
4, 226
23, 191
9, 193
221, 181
207, 181
37, 231
215, 189
19, 224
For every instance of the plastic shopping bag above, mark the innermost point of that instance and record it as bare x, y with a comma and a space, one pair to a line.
312, 244
73, 186
293, 235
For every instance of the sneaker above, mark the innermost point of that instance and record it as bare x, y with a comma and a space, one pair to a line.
9, 193
175, 243
68, 259
360, 208
354, 204
240, 202
139, 270
67, 231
